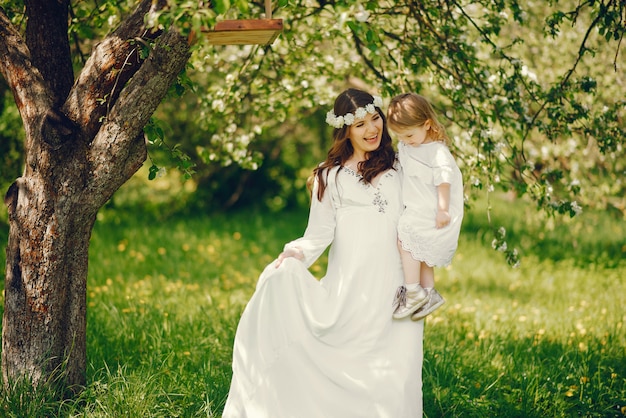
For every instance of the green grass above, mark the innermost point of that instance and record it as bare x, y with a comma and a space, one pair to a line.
544, 340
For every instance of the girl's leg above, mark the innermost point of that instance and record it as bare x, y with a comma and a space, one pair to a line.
411, 296
427, 276
410, 266
435, 300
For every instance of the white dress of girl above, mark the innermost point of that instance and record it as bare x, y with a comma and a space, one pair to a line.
426, 167
308, 348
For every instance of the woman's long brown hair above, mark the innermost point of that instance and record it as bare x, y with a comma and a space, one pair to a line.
376, 161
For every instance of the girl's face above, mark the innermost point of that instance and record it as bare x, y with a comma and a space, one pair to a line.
415, 135
365, 134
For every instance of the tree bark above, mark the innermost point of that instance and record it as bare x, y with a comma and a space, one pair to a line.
81, 145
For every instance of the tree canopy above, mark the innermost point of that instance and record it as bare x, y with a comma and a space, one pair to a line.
533, 93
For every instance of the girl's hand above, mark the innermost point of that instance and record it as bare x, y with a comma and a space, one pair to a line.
442, 219
289, 252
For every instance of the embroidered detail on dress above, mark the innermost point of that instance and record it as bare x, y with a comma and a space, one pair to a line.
380, 201
351, 172
359, 177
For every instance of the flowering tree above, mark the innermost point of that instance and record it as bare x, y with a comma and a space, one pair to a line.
548, 134
532, 93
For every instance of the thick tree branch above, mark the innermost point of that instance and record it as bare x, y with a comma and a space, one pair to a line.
46, 37
16, 66
118, 150
113, 62
24, 79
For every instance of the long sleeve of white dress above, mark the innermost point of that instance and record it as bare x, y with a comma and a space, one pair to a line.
320, 230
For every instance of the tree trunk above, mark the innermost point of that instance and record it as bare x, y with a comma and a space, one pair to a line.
44, 324
79, 151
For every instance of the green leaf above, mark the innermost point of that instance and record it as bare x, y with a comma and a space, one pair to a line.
153, 172
221, 6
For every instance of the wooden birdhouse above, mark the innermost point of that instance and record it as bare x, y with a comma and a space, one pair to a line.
247, 31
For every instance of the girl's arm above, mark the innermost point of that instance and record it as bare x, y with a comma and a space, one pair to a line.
442, 218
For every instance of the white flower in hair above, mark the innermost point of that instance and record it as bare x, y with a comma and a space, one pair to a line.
334, 121
349, 118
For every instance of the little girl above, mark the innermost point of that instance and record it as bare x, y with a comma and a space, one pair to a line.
432, 191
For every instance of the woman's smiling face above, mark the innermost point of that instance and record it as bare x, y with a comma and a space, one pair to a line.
365, 134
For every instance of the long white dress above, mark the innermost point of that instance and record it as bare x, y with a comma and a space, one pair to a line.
425, 168
323, 349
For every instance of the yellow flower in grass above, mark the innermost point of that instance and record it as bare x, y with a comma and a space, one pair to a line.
137, 255
571, 391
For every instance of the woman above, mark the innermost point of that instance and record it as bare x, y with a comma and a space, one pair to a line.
329, 348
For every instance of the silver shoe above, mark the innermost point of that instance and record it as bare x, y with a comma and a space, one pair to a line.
409, 301
435, 300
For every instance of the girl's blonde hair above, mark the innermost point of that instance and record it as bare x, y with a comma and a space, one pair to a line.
410, 109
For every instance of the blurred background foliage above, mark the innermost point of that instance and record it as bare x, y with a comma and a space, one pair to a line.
532, 93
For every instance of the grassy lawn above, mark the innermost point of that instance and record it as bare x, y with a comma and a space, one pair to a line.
546, 339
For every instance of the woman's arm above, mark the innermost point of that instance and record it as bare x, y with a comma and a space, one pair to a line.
319, 232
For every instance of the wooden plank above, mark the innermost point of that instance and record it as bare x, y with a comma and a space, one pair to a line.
245, 32
249, 24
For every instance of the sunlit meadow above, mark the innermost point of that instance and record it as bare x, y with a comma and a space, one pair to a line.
546, 339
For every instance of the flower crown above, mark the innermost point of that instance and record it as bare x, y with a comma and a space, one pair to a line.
349, 118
